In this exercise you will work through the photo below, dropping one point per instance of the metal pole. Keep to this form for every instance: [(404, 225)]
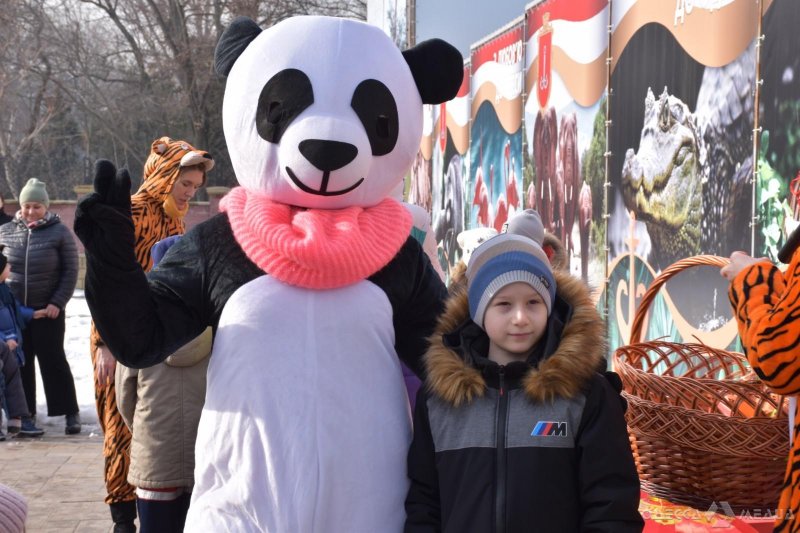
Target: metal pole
[(754, 222), (606, 183), (411, 22)]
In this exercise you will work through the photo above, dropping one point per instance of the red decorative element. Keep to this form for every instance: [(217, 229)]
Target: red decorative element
[(544, 75), (510, 178), (464, 89), (501, 214), (794, 189), (489, 50), (481, 199), (568, 10)]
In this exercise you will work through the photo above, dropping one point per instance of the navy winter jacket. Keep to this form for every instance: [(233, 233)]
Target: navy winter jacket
[(44, 262), (539, 445)]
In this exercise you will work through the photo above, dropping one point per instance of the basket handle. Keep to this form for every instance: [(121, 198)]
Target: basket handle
[(661, 279)]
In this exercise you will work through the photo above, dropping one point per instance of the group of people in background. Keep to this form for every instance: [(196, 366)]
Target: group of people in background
[(150, 468)]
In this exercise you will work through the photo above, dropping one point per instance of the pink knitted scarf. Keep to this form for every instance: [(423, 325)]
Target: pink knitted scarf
[(316, 248)]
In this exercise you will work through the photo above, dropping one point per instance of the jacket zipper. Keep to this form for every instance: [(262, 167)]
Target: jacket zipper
[(500, 495), (27, 249)]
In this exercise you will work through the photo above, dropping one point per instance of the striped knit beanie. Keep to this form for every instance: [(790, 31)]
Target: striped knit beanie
[(13, 510), (501, 261)]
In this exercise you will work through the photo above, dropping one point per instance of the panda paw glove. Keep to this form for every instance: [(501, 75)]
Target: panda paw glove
[(103, 220)]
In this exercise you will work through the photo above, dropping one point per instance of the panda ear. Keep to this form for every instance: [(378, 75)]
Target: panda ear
[(437, 68), (234, 40)]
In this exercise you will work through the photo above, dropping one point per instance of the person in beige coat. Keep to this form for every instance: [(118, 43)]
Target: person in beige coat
[(161, 405)]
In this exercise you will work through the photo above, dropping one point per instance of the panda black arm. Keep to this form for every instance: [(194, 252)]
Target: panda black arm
[(417, 295), (144, 319)]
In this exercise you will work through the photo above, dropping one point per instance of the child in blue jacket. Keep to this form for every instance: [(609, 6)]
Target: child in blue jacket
[(13, 318)]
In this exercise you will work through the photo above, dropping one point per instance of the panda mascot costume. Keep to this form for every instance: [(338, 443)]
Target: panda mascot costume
[(308, 276)]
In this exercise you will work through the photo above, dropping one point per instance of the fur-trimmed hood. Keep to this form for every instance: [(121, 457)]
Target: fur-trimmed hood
[(563, 372)]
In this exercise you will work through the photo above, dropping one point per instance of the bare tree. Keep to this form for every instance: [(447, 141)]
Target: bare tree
[(102, 78), (27, 96)]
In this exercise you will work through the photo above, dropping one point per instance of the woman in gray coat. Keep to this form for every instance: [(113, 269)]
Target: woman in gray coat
[(44, 271)]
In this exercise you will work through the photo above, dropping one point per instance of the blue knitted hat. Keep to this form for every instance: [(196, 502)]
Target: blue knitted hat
[(506, 259)]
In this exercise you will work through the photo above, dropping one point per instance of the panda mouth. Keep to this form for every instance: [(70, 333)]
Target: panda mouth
[(323, 190)]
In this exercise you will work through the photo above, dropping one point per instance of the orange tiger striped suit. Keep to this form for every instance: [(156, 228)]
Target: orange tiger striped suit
[(152, 223), (766, 304)]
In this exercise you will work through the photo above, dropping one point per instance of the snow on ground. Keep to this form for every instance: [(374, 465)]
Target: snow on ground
[(76, 344)]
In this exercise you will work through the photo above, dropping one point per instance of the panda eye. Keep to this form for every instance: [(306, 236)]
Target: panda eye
[(274, 113), (376, 109), (287, 94), (382, 127)]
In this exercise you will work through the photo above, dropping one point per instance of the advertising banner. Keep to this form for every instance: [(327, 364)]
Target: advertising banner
[(565, 84), (779, 121), (494, 189), (681, 143), (449, 147), (418, 190)]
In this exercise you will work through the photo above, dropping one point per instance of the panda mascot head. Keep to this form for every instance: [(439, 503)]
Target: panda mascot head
[(326, 113)]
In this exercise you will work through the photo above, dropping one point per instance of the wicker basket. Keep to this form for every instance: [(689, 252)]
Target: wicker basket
[(703, 428)]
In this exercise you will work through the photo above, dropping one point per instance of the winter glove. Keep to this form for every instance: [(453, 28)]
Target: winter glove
[(103, 220)]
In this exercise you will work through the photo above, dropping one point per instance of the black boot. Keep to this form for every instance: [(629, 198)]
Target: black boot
[(123, 514)]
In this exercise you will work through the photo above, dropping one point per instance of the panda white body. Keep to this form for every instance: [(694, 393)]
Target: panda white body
[(309, 278), (306, 416)]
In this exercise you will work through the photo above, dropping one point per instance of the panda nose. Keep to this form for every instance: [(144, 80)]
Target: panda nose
[(328, 155)]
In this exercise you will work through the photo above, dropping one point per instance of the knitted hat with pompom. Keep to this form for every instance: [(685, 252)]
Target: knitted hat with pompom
[(505, 259)]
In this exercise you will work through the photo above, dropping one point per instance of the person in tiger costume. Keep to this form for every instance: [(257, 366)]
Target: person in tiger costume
[(173, 173), (765, 304)]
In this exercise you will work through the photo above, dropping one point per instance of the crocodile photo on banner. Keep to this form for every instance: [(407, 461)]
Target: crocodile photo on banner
[(681, 140)]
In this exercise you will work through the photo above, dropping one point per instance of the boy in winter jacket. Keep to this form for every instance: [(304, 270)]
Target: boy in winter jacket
[(515, 430)]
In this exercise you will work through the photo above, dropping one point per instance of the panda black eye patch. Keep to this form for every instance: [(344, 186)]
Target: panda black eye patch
[(287, 94), (376, 109)]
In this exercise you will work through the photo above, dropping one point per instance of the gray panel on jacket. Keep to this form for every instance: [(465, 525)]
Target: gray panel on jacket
[(529, 424), (469, 426)]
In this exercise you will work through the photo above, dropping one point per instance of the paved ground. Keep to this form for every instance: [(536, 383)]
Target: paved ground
[(61, 477)]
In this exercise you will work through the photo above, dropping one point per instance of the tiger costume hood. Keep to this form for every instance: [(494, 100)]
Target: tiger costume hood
[(167, 157)]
